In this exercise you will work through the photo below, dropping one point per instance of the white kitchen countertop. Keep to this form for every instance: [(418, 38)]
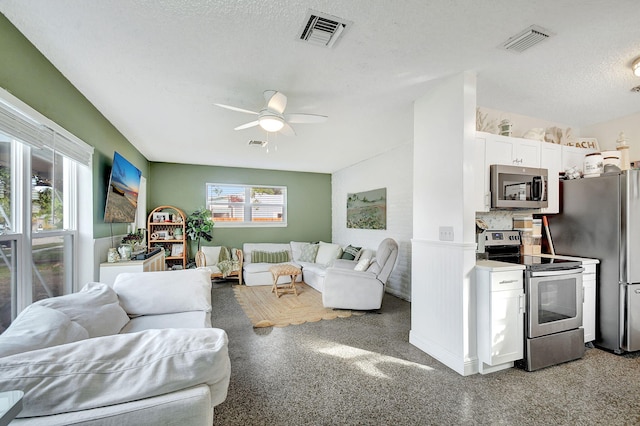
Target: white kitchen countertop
[(493, 265)]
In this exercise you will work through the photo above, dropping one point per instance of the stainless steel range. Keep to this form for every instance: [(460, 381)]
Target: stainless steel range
[(554, 295)]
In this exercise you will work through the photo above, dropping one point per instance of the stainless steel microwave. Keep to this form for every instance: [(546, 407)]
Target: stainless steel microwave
[(514, 187)]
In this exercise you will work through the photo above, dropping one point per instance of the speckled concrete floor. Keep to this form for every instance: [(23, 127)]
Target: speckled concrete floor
[(363, 371)]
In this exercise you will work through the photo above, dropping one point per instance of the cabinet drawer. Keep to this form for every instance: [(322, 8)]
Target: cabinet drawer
[(508, 280)]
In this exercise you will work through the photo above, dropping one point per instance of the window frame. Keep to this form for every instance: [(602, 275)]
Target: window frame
[(39, 132), (247, 206)]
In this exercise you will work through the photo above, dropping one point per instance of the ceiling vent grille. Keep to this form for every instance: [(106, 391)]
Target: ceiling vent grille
[(321, 29), (526, 39), (257, 143)]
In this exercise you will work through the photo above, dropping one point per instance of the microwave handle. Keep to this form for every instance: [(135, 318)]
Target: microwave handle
[(539, 180)]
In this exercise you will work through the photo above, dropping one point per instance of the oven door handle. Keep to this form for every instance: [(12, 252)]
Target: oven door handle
[(556, 273)]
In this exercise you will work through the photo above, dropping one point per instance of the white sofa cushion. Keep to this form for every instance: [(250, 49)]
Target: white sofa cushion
[(211, 254), (39, 327), (117, 369), (164, 292), (95, 307), (327, 253), (191, 319)]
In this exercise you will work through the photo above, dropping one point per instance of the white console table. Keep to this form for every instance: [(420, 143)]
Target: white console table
[(109, 271)]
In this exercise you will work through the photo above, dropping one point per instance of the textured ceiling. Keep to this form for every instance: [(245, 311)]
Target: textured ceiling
[(156, 68)]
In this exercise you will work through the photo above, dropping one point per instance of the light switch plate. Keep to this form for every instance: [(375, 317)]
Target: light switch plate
[(446, 233)]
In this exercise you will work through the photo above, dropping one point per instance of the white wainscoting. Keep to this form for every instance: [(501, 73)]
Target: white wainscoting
[(443, 307), (392, 170)]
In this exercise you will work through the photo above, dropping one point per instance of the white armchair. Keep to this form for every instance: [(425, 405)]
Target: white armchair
[(348, 288)]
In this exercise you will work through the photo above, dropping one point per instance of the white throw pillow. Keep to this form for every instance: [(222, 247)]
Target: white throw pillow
[(364, 261), (309, 253), (211, 255), (164, 292), (39, 327), (327, 253), (116, 369), (95, 307), (296, 249)]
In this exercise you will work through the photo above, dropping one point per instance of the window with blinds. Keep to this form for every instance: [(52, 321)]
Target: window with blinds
[(39, 162), (247, 205)]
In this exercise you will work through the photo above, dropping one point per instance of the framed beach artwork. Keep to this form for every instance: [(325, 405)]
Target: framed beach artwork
[(367, 210)]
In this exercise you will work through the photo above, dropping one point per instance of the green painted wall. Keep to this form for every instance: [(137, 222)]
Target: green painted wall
[(29, 76), (309, 200)]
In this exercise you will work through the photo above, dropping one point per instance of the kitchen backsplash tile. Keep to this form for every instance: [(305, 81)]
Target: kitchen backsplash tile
[(501, 219)]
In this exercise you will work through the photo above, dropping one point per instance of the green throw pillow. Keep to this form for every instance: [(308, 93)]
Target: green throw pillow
[(269, 256), (350, 252), (309, 253)]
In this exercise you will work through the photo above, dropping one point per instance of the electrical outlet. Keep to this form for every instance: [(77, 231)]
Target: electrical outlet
[(446, 233)]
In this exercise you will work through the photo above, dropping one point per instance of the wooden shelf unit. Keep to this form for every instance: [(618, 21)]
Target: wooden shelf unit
[(172, 218)]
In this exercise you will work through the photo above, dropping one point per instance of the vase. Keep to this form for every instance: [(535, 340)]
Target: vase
[(112, 255)]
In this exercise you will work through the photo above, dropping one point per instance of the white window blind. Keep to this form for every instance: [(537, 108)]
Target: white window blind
[(30, 131)]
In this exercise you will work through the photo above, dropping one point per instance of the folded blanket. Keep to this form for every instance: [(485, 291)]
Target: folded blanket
[(226, 264)]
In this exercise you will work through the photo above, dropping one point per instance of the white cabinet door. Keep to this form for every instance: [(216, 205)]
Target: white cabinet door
[(512, 151), (500, 317), (589, 304), (482, 196), (551, 159)]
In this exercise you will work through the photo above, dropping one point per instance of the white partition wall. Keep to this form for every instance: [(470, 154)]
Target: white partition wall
[(393, 171), (443, 299)]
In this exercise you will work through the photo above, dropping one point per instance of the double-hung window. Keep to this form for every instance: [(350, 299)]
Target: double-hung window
[(247, 205), (39, 162)]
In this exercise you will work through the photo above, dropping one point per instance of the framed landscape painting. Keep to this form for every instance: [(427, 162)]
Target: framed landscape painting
[(367, 210)]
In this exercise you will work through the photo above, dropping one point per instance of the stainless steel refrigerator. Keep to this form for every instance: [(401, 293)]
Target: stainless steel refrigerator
[(600, 218)]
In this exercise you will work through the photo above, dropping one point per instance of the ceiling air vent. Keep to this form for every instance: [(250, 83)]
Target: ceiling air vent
[(526, 39), (321, 29), (636, 89), (257, 143)]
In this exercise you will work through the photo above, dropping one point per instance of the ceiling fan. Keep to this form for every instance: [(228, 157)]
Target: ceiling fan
[(272, 117)]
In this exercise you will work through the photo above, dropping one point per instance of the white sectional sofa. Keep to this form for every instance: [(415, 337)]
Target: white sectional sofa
[(313, 261), (141, 352)]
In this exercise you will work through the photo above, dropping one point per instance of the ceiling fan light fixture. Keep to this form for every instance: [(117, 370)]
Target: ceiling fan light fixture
[(271, 123), (636, 67)]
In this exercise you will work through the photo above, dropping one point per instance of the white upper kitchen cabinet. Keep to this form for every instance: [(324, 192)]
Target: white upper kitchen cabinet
[(512, 151), (574, 156), (551, 159)]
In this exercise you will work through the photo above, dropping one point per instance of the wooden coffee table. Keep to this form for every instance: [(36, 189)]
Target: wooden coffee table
[(278, 271)]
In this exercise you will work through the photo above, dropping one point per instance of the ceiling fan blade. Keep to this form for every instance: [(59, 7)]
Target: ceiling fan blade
[(305, 118), (287, 130), (247, 125), (232, 108), (276, 101)]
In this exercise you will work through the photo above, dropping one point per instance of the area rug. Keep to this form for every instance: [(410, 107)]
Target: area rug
[(265, 309)]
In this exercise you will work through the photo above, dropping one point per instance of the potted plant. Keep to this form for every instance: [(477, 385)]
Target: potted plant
[(200, 226)]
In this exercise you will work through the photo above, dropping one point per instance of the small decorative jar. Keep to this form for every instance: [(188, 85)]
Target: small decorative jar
[(177, 234), (112, 255)]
